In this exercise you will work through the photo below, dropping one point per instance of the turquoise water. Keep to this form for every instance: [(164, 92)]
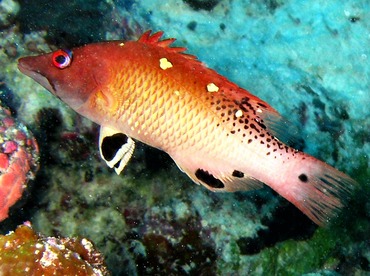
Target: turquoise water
[(308, 59)]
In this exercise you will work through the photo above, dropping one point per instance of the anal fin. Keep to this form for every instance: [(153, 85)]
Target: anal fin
[(225, 182), (218, 180), (116, 148)]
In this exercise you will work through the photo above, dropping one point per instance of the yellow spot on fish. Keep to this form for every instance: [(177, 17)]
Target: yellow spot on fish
[(239, 113), (122, 44), (259, 110), (136, 124), (211, 87), (177, 92), (165, 63)]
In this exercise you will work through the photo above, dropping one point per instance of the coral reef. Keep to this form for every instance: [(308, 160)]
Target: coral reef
[(25, 252), (308, 60), (18, 160)]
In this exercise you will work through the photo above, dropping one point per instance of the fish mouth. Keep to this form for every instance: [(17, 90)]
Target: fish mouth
[(26, 68)]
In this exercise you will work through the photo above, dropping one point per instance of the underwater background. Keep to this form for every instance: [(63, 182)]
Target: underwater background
[(308, 59)]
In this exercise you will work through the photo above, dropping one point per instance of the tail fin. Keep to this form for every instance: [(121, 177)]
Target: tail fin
[(319, 191)]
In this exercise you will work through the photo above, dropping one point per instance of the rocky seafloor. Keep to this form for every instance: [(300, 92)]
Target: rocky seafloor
[(308, 59)]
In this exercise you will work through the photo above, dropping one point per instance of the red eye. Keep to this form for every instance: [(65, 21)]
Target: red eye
[(62, 58)]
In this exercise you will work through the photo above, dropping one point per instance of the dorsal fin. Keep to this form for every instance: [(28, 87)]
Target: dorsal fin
[(155, 39)]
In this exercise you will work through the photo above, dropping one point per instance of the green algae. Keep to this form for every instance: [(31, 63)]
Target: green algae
[(286, 258), (296, 258), (329, 249)]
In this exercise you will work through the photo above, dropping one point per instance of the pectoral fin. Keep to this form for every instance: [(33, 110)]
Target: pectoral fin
[(115, 147)]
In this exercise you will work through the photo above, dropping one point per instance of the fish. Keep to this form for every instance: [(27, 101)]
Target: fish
[(219, 134)]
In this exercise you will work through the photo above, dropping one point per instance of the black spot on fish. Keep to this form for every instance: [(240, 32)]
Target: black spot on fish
[(244, 100), (111, 144), (209, 179), (254, 127), (303, 177), (238, 174), (243, 108), (261, 125), (261, 104)]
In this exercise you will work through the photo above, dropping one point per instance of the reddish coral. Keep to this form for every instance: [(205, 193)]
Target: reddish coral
[(25, 252), (4, 162), (18, 161), (10, 147)]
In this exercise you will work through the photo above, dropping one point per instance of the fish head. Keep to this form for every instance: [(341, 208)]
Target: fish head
[(75, 76)]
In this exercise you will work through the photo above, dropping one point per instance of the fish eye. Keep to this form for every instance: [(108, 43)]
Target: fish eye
[(62, 58)]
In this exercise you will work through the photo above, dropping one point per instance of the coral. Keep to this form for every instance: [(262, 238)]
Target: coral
[(25, 251), (8, 10), (307, 60), (18, 160)]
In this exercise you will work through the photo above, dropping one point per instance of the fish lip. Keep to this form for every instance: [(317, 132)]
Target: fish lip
[(26, 69)]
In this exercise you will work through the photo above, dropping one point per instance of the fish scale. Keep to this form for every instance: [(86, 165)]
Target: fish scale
[(163, 108), (219, 134)]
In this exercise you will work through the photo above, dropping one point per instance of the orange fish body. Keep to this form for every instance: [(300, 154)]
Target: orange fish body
[(222, 136)]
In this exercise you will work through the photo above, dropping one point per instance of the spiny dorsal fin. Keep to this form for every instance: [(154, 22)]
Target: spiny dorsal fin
[(155, 39)]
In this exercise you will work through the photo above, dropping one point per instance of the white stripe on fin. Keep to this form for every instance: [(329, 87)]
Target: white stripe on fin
[(115, 148)]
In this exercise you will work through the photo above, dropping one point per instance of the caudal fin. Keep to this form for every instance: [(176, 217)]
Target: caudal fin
[(319, 191)]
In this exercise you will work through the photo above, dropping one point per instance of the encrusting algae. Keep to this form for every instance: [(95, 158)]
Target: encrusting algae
[(25, 252)]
